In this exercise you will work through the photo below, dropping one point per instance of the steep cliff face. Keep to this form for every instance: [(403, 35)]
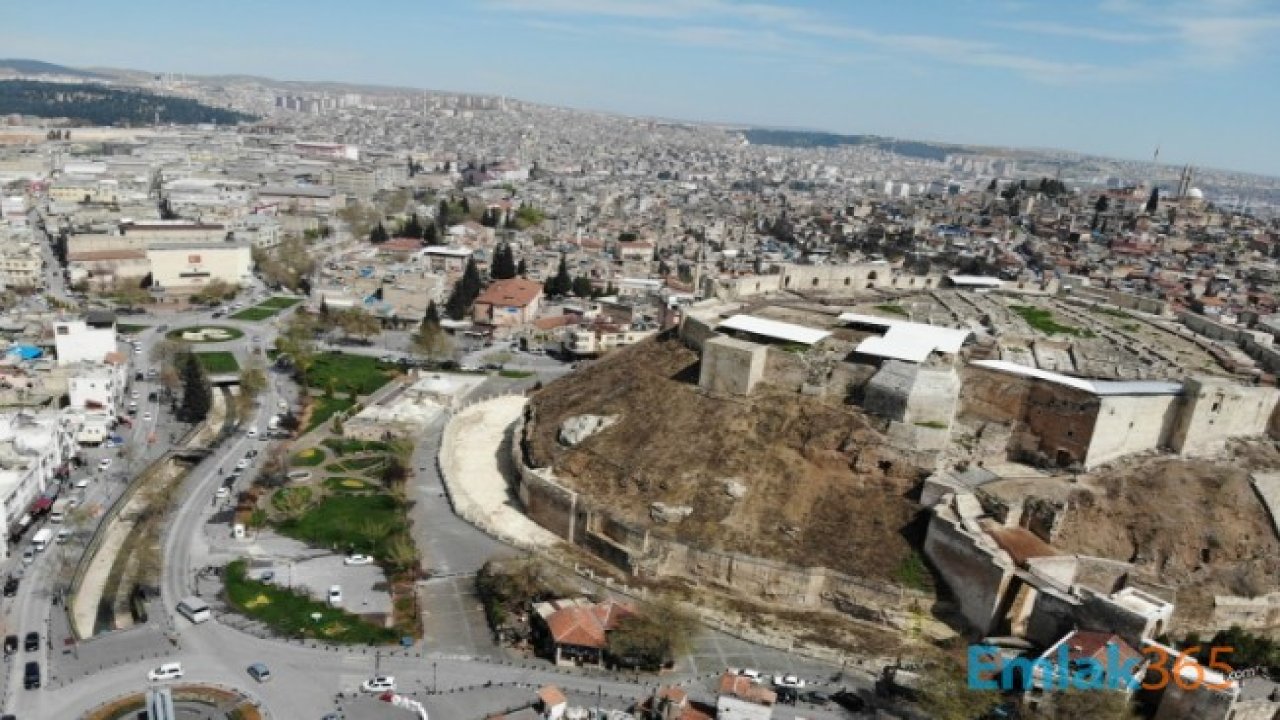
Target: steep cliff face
[(817, 485)]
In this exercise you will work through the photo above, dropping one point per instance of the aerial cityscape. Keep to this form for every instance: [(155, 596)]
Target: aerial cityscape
[(640, 360)]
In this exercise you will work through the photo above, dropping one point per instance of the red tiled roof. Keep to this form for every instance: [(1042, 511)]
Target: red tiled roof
[(586, 626), (550, 695), (516, 292), (741, 687)]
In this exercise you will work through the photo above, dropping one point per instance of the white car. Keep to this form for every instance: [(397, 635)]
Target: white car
[(788, 681), (146, 416), (167, 671), (357, 560), (104, 463), (335, 595), (380, 683), (137, 350), (82, 483), (135, 395), (222, 492), (242, 464), (252, 433)]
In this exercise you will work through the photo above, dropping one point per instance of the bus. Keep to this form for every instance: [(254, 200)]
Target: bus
[(194, 609)]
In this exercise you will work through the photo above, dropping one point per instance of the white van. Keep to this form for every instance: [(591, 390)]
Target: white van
[(194, 609), (167, 671)]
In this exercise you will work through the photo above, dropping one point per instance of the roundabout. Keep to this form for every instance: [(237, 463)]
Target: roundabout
[(205, 334), (197, 701)]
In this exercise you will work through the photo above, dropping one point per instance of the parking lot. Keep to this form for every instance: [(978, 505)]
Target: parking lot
[(289, 563)]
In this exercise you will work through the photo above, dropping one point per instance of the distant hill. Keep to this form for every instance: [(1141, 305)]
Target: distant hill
[(811, 139), (38, 67), (101, 105)]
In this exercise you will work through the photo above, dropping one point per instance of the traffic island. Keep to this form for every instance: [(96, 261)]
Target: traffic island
[(198, 702), (205, 334)]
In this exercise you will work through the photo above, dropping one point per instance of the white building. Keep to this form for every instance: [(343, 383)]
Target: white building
[(185, 267), (97, 388), (33, 449), (91, 339)]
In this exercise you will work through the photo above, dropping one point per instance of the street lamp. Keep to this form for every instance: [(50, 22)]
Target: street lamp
[(434, 686)]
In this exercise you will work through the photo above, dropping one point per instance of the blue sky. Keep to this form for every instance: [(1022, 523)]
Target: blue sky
[(1112, 77)]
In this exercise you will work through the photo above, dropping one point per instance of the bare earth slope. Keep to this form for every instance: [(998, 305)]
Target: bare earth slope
[(1196, 525), (820, 489)]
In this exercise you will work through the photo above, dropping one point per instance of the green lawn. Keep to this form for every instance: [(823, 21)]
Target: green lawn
[(344, 446), (347, 373), (892, 309), (278, 499), (232, 333), (326, 408), (1044, 321), (289, 613), (310, 457), (515, 374), (279, 303), (218, 362), (130, 329), (255, 313), (349, 523)]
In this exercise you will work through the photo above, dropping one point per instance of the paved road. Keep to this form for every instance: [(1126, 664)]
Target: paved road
[(460, 658)]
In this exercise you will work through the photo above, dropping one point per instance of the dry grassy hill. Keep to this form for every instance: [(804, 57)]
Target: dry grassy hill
[(821, 489)]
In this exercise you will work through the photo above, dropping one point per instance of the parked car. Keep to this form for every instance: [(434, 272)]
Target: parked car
[(222, 492), (31, 676), (242, 464), (815, 698), (10, 586), (167, 671), (335, 595), (251, 433), (380, 683), (849, 700), (31, 642), (104, 463), (357, 560), (259, 672), (28, 556), (788, 681), (10, 644)]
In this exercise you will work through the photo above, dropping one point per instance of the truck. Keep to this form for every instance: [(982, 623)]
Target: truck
[(59, 511), (41, 539)]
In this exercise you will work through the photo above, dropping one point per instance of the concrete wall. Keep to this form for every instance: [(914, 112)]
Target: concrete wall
[(1059, 421), (976, 576), (1131, 424), (744, 287), (730, 366), (696, 330), (1215, 410), (850, 278), (1127, 301)]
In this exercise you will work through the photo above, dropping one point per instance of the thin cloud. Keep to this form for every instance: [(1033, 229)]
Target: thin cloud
[(1080, 31)]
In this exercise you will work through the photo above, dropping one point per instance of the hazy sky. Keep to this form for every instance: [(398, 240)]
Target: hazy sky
[(1200, 78)]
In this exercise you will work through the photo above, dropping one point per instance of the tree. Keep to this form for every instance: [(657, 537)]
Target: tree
[(654, 636), (298, 343), (412, 228), (378, 234), (945, 694), (456, 306), (197, 396), (430, 235), (559, 284), (466, 205), (582, 286), (354, 321), (431, 340), (504, 265), (1153, 202), (522, 269), (471, 284), (253, 380)]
